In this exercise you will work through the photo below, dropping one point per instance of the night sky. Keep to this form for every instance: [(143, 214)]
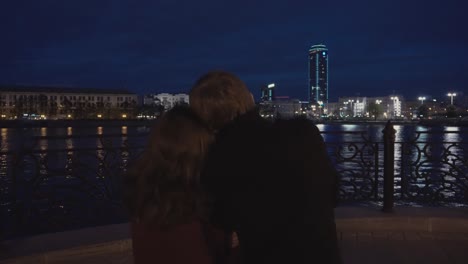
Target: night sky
[(149, 46)]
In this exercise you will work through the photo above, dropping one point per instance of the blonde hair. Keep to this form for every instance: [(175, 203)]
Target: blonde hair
[(218, 97), (163, 185)]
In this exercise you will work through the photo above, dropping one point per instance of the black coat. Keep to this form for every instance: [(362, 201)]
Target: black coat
[(273, 183)]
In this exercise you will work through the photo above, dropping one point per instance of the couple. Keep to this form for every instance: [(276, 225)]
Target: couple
[(219, 184)]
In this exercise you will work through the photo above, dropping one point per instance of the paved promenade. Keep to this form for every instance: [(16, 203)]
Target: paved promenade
[(409, 235)]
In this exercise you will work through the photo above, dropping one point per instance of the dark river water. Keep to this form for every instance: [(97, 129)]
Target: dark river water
[(82, 136), (65, 177)]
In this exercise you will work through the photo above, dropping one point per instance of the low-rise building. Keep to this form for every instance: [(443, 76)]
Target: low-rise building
[(386, 107), (281, 107), (31, 102), (166, 99)]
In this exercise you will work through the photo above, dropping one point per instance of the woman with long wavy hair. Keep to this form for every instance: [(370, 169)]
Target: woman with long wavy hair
[(166, 202)]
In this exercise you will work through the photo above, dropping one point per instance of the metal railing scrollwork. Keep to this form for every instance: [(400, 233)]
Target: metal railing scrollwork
[(434, 169), (356, 161), (55, 183), (55, 189)]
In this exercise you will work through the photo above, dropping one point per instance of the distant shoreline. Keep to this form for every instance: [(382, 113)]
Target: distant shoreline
[(148, 123), (73, 123), (423, 122), (378, 122)]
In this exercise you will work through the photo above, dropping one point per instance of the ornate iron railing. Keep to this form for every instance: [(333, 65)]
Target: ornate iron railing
[(55, 189), (434, 169), (45, 188), (356, 159)]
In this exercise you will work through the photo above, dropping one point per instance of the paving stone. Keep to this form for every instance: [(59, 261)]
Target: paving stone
[(449, 236), (369, 252), (423, 251), (412, 236), (439, 224), (390, 239), (380, 235), (349, 236), (426, 235), (396, 235), (364, 236), (38, 259), (457, 251)]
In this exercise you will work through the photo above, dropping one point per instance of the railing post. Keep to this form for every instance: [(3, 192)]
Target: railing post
[(389, 167), (376, 171)]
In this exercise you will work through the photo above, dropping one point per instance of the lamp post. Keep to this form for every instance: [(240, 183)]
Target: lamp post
[(451, 97), (422, 99)]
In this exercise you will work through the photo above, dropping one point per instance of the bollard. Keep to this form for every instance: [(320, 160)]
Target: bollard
[(389, 167)]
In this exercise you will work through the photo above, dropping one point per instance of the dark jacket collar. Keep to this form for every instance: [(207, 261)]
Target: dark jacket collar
[(249, 118)]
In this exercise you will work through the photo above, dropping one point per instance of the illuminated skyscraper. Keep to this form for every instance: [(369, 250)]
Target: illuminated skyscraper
[(318, 74), (268, 92)]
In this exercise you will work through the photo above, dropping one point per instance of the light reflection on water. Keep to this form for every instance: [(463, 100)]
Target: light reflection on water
[(69, 141), (374, 132), (399, 137), (452, 137), (70, 160), (452, 141), (5, 140), (100, 154), (10, 140), (4, 181), (350, 127), (321, 127), (124, 134), (44, 142)]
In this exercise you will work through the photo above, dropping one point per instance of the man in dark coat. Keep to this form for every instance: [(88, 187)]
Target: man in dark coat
[(271, 182)]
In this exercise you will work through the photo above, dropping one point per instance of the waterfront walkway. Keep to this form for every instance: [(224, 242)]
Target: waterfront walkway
[(409, 235)]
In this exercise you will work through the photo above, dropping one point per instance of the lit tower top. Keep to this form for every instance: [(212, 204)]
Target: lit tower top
[(318, 74), (268, 92)]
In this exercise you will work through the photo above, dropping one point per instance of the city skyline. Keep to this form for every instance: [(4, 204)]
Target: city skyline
[(415, 48)]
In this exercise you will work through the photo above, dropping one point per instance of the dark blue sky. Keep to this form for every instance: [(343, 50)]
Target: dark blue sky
[(412, 47)]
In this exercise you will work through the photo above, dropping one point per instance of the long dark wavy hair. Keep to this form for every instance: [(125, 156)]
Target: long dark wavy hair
[(162, 186)]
